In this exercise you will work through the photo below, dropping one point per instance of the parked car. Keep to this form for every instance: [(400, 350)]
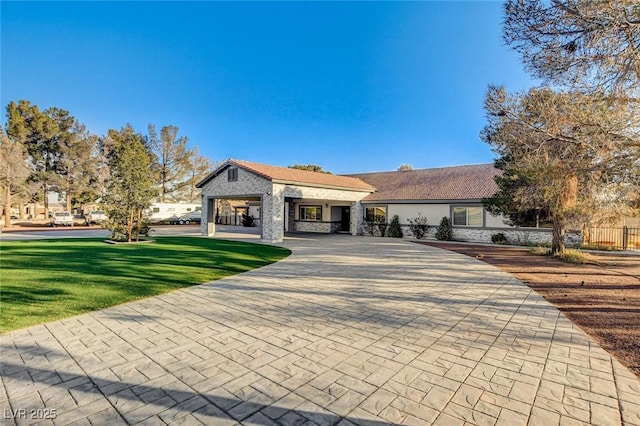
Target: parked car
[(96, 216), (62, 219), (186, 219)]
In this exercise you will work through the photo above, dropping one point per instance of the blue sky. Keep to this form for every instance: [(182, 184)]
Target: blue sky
[(352, 86)]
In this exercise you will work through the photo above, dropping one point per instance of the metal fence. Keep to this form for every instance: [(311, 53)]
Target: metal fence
[(624, 238)]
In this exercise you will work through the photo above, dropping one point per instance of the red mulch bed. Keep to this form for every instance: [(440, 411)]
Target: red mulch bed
[(602, 298)]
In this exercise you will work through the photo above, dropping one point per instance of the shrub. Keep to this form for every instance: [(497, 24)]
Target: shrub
[(247, 220), (444, 232), (540, 251), (574, 256), (370, 227), (419, 226), (382, 227), (499, 238), (394, 230)]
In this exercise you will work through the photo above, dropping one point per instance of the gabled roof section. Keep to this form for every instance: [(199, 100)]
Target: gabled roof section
[(472, 182), (293, 176)]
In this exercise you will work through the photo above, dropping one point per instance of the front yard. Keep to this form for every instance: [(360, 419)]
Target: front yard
[(45, 280)]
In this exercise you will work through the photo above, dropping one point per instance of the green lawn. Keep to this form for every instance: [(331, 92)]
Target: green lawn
[(44, 280)]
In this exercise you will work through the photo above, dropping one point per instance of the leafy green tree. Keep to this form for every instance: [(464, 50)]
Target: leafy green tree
[(505, 203), (309, 168), (41, 134), (405, 167), (130, 188), (77, 167), (570, 154), (172, 161), (573, 155)]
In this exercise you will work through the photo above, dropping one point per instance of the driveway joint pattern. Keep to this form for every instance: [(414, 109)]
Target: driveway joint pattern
[(347, 330)]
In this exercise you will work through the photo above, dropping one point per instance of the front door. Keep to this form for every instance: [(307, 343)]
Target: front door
[(345, 219)]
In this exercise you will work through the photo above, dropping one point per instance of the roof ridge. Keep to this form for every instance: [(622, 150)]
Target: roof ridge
[(422, 169)]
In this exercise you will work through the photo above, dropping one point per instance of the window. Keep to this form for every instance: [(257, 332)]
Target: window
[(156, 209), (375, 214), (232, 175), (311, 213), (467, 216)]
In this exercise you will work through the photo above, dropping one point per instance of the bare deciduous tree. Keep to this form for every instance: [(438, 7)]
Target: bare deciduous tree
[(13, 172), (172, 160)]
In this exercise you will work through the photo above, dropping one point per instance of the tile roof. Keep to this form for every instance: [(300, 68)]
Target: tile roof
[(295, 176), (446, 183)]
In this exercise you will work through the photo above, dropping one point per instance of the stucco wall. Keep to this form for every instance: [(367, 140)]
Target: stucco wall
[(492, 221), (312, 194), (433, 212)]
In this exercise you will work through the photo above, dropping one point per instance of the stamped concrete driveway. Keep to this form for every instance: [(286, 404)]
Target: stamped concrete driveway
[(346, 330)]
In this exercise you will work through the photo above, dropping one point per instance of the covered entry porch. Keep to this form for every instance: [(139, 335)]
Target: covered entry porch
[(317, 215), (284, 199)]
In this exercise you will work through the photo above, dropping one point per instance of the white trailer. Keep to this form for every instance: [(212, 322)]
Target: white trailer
[(159, 212)]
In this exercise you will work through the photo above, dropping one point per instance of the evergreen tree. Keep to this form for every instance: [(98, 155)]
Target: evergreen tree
[(444, 231), (394, 230), (130, 188), (572, 155), (76, 170)]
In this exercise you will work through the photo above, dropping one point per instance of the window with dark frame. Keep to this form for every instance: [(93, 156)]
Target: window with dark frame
[(467, 216), (375, 214), (311, 213), (232, 175)]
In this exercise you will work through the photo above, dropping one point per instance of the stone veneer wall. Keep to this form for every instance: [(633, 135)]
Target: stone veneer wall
[(248, 184), (516, 236), (302, 226)]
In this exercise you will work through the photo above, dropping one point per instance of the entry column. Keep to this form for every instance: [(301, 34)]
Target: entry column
[(356, 217), (208, 221), (273, 216)]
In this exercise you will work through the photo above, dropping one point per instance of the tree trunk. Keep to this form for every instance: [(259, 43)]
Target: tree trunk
[(7, 207), (586, 233), (557, 242), (68, 194), (130, 226), (139, 225), (45, 191)]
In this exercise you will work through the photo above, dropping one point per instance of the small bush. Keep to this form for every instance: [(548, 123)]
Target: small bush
[(370, 227), (247, 221), (382, 228), (540, 251), (394, 230), (419, 226), (444, 232), (499, 238), (574, 256)]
